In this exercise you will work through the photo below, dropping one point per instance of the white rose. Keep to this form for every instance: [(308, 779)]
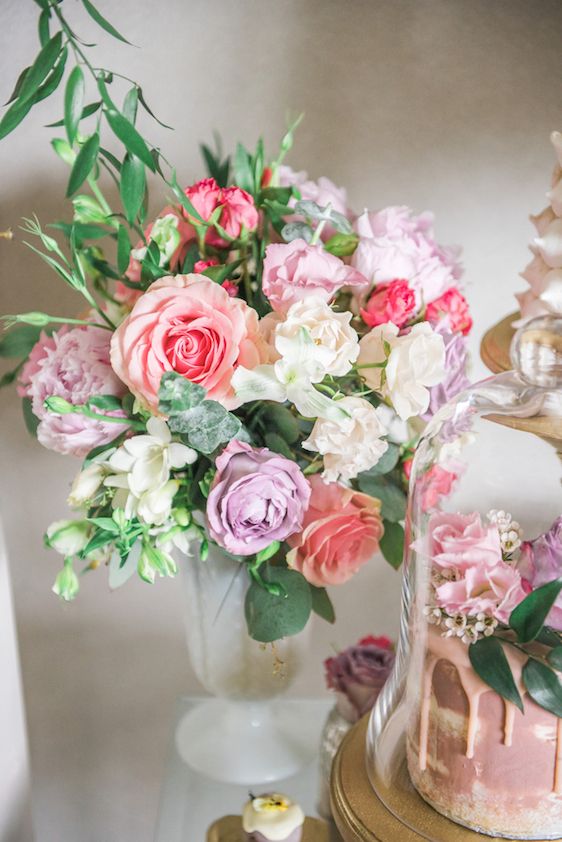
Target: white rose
[(68, 537), (85, 485), (416, 361), (350, 445), (335, 345)]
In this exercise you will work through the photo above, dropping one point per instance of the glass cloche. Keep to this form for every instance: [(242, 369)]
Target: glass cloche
[(471, 716)]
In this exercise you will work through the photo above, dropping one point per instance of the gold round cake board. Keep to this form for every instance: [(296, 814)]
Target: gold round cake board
[(229, 829), (494, 348), (360, 815)]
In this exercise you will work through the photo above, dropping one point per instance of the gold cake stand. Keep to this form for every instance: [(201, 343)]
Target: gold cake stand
[(358, 812)]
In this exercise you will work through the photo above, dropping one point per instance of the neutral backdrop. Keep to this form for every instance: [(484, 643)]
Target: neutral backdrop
[(440, 104)]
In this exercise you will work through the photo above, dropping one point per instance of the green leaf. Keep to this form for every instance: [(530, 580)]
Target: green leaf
[(43, 27), (19, 341), (278, 444), (177, 394), (216, 169), (103, 22), (268, 552), (271, 617), (393, 499), (130, 104), (543, 686), (243, 175), (148, 110), (106, 523), (108, 402), (281, 421), (83, 164), (100, 539), (555, 658), (392, 543), (13, 117), (342, 245), (386, 463), (129, 136), (322, 604), (528, 618), (180, 195), (52, 81), (17, 87), (490, 663), (206, 426), (218, 274), (123, 249), (549, 637), (40, 68), (30, 419), (133, 183), (87, 111), (73, 102)]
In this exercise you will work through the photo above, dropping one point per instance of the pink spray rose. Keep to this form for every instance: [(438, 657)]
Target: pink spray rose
[(201, 265), (189, 325), (257, 497), (74, 365), (394, 302), (394, 243), (341, 531), (451, 307), (494, 591), (358, 673), (238, 209), (292, 271)]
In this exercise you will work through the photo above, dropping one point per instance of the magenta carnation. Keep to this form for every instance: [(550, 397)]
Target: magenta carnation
[(257, 497), (74, 365)]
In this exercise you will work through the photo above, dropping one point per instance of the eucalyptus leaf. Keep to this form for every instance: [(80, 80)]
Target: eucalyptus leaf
[(322, 604), (528, 618), (392, 543), (341, 223), (206, 426), (177, 394), (490, 663), (40, 68), (543, 686), (278, 444), (296, 231), (271, 617), (132, 186), (129, 136), (83, 164), (73, 102), (393, 500), (103, 22)]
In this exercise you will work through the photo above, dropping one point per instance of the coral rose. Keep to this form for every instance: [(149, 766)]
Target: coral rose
[(342, 529), (189, 325), (394, 302), (452, 307)]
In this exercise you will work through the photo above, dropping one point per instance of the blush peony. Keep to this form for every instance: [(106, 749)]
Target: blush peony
[(342, 529), (189, 325)]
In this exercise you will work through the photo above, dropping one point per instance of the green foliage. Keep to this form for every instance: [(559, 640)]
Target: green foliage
[(103, 22), (132, 186), (30, 419), (490, 663), (280, 420), (393, 500), (73, 102), (278, 444), (543, 686), (322, 604), (123, 249), (392, 543), (84, 163), (217, 169), (270, 617), (19, 341), (40, 68), (555, 657), (342, 245), (129, 136), (528, 618)]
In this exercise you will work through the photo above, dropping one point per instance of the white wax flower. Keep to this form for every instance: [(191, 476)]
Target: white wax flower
[(351, 444), (68, 537), (85, 485)]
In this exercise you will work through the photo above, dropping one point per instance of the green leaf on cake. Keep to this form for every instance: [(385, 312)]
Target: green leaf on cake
[(528, 618), (543, 686), (489, 662), (270, 617), (554, 658)]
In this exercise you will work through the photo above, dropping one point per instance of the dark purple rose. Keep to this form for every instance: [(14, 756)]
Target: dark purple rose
[(257, 497), (456, 356), (358, 674), (541, 562)]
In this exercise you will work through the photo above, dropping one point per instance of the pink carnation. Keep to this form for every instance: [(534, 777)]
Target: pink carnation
[(394, 243), (292, 271), (434, 485), (494, 591), (462, 541), (451, 307), (190, 325), (74, 365), (394, 302), (238, 209)]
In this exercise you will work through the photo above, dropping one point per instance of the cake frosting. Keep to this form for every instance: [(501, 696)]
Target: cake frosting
[(544, 273), (272, 817), (475, 758)]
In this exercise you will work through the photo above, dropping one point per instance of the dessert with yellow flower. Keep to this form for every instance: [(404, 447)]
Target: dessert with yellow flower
[(272, 817)]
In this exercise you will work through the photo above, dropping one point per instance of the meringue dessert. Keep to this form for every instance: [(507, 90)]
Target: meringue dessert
[(272, 817)]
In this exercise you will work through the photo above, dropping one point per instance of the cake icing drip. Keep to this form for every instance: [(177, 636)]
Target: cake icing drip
[(543, 273)]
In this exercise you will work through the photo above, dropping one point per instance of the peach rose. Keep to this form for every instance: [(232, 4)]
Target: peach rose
[(341, 531), (190, 325)]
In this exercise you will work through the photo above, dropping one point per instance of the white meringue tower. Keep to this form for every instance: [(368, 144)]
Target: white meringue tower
[(544, 272)]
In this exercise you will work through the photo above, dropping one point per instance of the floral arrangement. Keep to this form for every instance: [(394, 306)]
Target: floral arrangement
[(357, 675), (245, 361), (492, 590)]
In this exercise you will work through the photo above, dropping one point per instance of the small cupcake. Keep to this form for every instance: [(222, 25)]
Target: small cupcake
[(272, 818)]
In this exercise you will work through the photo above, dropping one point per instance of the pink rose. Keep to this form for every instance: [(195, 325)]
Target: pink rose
[(463, 541), (238, 209), (201, 265), (74, 365), (190, 325), (394, 302), (341, 531), (452, 306), (494, 591), (292, 271), (434, 485)]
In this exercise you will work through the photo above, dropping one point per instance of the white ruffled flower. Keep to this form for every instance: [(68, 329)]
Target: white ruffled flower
[(415, 361), (335, 345), (68, 537), (141, 469), (349, 445), (166, 236), (85, 485)]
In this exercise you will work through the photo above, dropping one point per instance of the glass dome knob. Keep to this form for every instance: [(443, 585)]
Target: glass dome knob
[(536, 351)]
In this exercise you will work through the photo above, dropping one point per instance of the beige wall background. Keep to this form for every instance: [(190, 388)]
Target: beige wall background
[(441, 104)]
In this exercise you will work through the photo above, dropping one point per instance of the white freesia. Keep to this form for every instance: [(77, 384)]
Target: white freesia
[(414, 361), (166, 236), (68, 537), (335, 345), (141, 472), (349, 445), (85, 485)]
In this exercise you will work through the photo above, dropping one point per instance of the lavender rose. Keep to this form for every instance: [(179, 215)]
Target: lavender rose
[(257, 497), (541, 562), (456, 357), (358, 675)]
